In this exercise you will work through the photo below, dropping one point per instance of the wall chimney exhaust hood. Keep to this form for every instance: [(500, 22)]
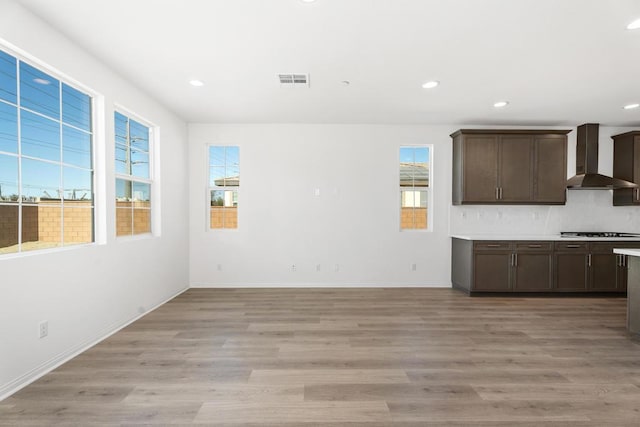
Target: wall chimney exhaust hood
[(587, 176)]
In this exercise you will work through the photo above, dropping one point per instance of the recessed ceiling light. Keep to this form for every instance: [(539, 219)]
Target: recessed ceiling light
[(631, 106), (196, 83), (431, 84), (42, 81), (634, 25), (308, 1), (346, 83), (501, 104)]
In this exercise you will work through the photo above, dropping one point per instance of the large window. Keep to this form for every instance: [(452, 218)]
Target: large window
[(46, 160), (414, 187), (224, 182), (133, 176)]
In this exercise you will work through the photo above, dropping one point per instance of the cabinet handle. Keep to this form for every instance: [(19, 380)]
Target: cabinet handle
[(618, 261), (636, 194), (500, 193), (573, 246), (535, 246), (589, 260), (493, 245), (624, 260), (497, 193), (515, 260)]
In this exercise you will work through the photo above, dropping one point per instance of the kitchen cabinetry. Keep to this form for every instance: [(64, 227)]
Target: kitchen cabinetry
[(509, 166), (626, 165), (581, 266), (503, 266), (571, 262), (605, 264), (492, 261), (532, 266), (538, 266)]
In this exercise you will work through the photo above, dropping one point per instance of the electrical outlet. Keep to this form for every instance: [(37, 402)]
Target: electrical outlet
[(219, 267), (317, 267), (337, 267), (293, 267), (43, 329), (414, 267)]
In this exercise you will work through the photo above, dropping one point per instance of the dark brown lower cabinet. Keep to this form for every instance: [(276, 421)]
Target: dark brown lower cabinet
[(593, 267), (608, 270), (571, 266), (492, 271), (539, 266), (503, 266), (532, 271), (604, 272)]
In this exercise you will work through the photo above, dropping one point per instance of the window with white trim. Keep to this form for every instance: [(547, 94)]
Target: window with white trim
[(134, 173), (415, 167), (46, 159), (224, 183)]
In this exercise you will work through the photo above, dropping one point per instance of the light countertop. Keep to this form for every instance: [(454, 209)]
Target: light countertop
[(547, 237), (630, 252)]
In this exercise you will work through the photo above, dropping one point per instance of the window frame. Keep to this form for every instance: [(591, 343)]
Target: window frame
[(209, 188), (428, 189), (152, 181), (96, 168)]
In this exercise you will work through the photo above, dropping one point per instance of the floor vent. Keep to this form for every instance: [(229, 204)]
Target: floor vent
[(294, 79)]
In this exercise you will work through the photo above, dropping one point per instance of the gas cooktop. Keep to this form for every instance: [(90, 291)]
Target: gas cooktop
[(596, 234)]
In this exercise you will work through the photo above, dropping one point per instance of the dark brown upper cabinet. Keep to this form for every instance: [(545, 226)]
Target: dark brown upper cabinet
[(509, 166), (626, 165)]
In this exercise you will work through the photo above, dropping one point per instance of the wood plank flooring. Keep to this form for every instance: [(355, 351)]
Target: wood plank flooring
[(350, 357)]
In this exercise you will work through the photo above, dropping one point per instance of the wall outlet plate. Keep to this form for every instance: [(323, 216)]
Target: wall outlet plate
[(43, 329)]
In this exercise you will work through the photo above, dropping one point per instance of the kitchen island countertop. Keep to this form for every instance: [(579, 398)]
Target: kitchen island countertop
[(629, 252)]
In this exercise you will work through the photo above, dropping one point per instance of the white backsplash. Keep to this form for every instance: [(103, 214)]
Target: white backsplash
[(586, 210)]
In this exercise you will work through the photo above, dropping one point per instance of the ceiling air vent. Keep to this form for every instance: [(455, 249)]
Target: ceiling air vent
[(294, 80)]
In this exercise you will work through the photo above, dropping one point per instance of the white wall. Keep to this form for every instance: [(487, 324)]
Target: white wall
[(86, 293), (353, 223)]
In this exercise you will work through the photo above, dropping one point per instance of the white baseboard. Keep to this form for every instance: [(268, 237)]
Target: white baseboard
[(315, 285), (22, 381)]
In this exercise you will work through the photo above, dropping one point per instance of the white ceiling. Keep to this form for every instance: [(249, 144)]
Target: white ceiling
[(558, 62)]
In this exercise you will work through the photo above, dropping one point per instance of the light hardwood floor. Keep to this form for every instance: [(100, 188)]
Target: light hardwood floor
[(352, 357)]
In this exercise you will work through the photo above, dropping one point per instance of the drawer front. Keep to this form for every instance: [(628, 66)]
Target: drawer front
[(608, 247), (534, 246), (492, 246), (571, 246)]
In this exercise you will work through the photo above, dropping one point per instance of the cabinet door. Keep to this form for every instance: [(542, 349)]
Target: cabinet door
[(570, 271), (603, 272), (480, 168), (622, 273), (515, 169), (551, 169), (626, 165), (532, 272), (492, 271), (636, 168)]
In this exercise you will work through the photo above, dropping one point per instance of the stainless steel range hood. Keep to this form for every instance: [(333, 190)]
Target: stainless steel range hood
[(587, 176)]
